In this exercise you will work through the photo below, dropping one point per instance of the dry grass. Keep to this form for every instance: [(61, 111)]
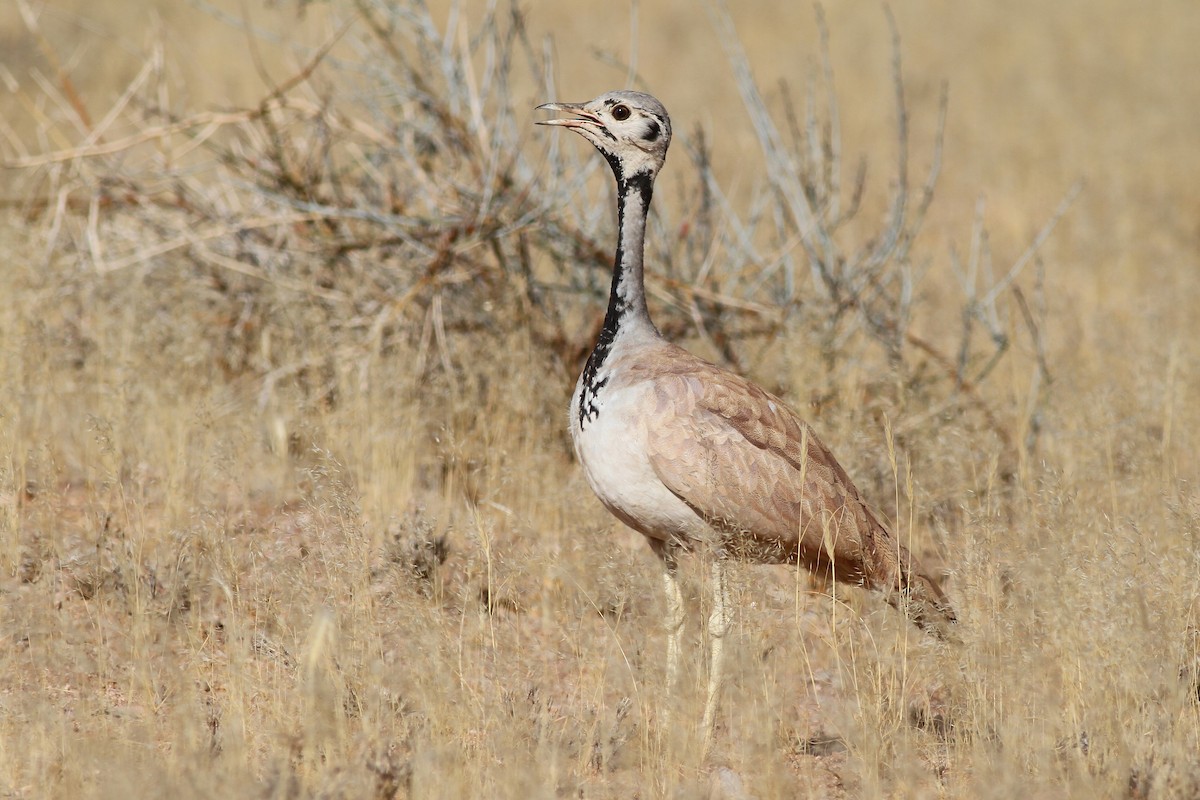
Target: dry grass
[(287, 507)]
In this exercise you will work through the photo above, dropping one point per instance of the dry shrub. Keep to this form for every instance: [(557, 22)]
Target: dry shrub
[(381, 198), (322, 514)]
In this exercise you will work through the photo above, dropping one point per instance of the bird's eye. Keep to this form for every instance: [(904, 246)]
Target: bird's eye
[(620, 113)]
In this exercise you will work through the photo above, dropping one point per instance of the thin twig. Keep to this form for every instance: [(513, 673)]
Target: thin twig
[(64, 80), (1063, 206)]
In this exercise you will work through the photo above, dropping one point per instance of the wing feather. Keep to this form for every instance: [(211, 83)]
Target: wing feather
[(760, 476)]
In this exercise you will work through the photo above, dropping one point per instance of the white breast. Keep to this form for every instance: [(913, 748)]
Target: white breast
[(611, 446)]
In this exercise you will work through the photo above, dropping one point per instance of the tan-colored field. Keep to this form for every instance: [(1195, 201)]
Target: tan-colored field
[(287, 503)]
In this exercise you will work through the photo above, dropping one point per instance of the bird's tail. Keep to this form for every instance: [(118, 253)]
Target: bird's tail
[(909, 587), (921, 599)]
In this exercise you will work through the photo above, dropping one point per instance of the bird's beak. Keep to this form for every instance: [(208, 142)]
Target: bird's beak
[(582, 117)]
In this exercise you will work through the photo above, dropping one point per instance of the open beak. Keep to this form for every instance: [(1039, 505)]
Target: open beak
[(582, 118)]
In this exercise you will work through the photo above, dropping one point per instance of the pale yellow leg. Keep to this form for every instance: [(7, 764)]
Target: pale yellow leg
[(675, 613), (718, 626), (674, 621)]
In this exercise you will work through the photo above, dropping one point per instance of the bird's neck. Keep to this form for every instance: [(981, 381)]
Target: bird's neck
[(627, 310), (627, 314)]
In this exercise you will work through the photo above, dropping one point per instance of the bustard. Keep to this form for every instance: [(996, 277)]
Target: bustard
[(690, 454)]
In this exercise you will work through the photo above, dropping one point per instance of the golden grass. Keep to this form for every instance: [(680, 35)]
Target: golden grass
[(215, 583)]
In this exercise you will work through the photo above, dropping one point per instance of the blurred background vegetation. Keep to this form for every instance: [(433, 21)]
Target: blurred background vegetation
[(294, 298)]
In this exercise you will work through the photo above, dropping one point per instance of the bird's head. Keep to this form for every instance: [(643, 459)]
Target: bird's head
[(631, 129)]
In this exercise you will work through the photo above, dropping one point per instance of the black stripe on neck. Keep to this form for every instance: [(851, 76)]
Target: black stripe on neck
[(614, 161), (640, 187)]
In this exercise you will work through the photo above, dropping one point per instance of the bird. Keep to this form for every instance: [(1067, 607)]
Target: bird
[(692, 455)]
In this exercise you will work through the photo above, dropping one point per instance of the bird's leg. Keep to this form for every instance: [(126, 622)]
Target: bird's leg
[(675, 613), (718, 626)]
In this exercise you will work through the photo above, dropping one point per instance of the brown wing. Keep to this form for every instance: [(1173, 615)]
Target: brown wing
[(758, 474)]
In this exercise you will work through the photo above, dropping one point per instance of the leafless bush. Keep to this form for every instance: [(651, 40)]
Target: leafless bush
[(380, 196), (840, 284), (377, 195)]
